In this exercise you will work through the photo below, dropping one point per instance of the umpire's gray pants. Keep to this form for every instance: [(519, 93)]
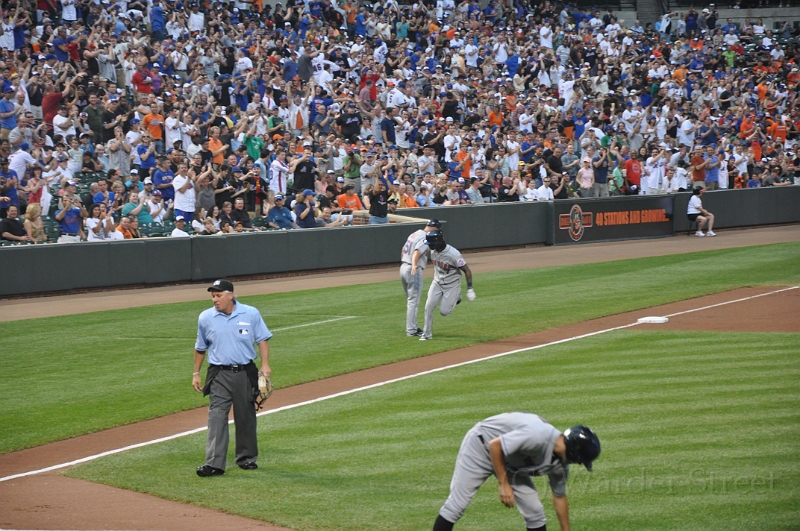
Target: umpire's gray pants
[(231, 388), (412, 285), (473, 468), (449, 295)]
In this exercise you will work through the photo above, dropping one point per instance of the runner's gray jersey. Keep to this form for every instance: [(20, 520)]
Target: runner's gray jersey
[(528, 442), (446, 265), (415, 242)]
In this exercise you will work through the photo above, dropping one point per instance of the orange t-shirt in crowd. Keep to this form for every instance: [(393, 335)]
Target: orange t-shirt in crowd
[(495, 118), (511, 102), (465, 169), (126, 234), (756, 145), (746, 128), (698, 175), (777, 132), (352, 202), (352, 11), (679, 75), (408, 201), (215, 144), (153, 123)]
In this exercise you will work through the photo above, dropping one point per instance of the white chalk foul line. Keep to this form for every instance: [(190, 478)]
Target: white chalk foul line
[(315, 323), (367, 387), (733, 301)]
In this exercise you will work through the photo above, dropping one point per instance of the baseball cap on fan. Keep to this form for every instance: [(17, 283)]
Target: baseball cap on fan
[(221, 285)]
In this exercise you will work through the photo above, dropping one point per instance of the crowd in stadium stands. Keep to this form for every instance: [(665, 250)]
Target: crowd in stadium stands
[(125, 119)]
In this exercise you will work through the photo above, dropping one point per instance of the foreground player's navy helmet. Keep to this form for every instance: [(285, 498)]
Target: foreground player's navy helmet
[(583, 446)]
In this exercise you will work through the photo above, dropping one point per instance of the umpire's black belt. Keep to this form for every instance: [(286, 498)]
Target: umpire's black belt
[(232, 368)]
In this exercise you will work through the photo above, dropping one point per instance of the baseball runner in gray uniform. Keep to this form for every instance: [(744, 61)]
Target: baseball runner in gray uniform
[(446, 286), (514, 447), (412, 283)]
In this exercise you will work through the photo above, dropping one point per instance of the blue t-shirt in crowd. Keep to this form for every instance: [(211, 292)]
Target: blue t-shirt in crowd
[(712, 174), (601, 172), (11, 121), (164, 177), (282, 217), (11, 193), (99, 198), (149, 162), (71, 222), (361, 25), (309, 222), (62, 57)]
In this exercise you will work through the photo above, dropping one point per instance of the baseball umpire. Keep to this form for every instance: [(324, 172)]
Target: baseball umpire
[(415, 246), (514, 447), (227, 332), (446, 286)]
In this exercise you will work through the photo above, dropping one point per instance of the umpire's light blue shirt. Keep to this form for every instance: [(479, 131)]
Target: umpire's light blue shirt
[(229, 339)]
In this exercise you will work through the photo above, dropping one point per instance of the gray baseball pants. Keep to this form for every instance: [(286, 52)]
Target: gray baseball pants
[(231, 388), (473, 468), (412, 285), (448, 295)]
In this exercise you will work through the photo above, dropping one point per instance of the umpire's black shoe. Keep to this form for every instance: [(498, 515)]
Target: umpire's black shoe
[(248, 466), (206, 471)]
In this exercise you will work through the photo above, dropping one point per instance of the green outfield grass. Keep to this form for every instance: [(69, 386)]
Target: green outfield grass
[(116, 367), (698, 431)]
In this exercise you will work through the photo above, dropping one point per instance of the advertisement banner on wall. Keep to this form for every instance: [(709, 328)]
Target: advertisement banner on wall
[(616, 218)]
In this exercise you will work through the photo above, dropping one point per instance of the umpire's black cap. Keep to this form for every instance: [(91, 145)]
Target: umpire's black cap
[(221, 285), (434, 223)]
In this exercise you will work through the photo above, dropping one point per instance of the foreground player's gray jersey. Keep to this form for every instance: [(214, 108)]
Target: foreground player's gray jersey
[(447, 264), (528, 442)]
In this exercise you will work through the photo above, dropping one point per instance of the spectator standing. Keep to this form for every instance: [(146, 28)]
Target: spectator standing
[(305, 210), (184, 188), (378, 198), (70, 221), (585, 179)]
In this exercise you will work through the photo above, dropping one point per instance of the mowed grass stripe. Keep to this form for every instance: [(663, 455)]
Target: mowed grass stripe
[(106, 382), (672, 454)]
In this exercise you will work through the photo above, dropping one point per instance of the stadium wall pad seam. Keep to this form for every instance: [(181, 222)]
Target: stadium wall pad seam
[(52, 268)]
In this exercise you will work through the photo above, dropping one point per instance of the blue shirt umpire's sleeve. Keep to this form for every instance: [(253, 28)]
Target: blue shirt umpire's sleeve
[(201, 345), (260, 330)]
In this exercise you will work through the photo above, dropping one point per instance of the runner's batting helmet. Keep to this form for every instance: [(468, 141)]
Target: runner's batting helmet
[(583, 446), (435, 240)]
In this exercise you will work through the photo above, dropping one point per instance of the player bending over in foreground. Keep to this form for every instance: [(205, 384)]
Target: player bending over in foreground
[(514, 447), (446, 286)]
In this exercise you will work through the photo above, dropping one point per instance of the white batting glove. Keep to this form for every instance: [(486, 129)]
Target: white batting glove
[(471, 295)]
